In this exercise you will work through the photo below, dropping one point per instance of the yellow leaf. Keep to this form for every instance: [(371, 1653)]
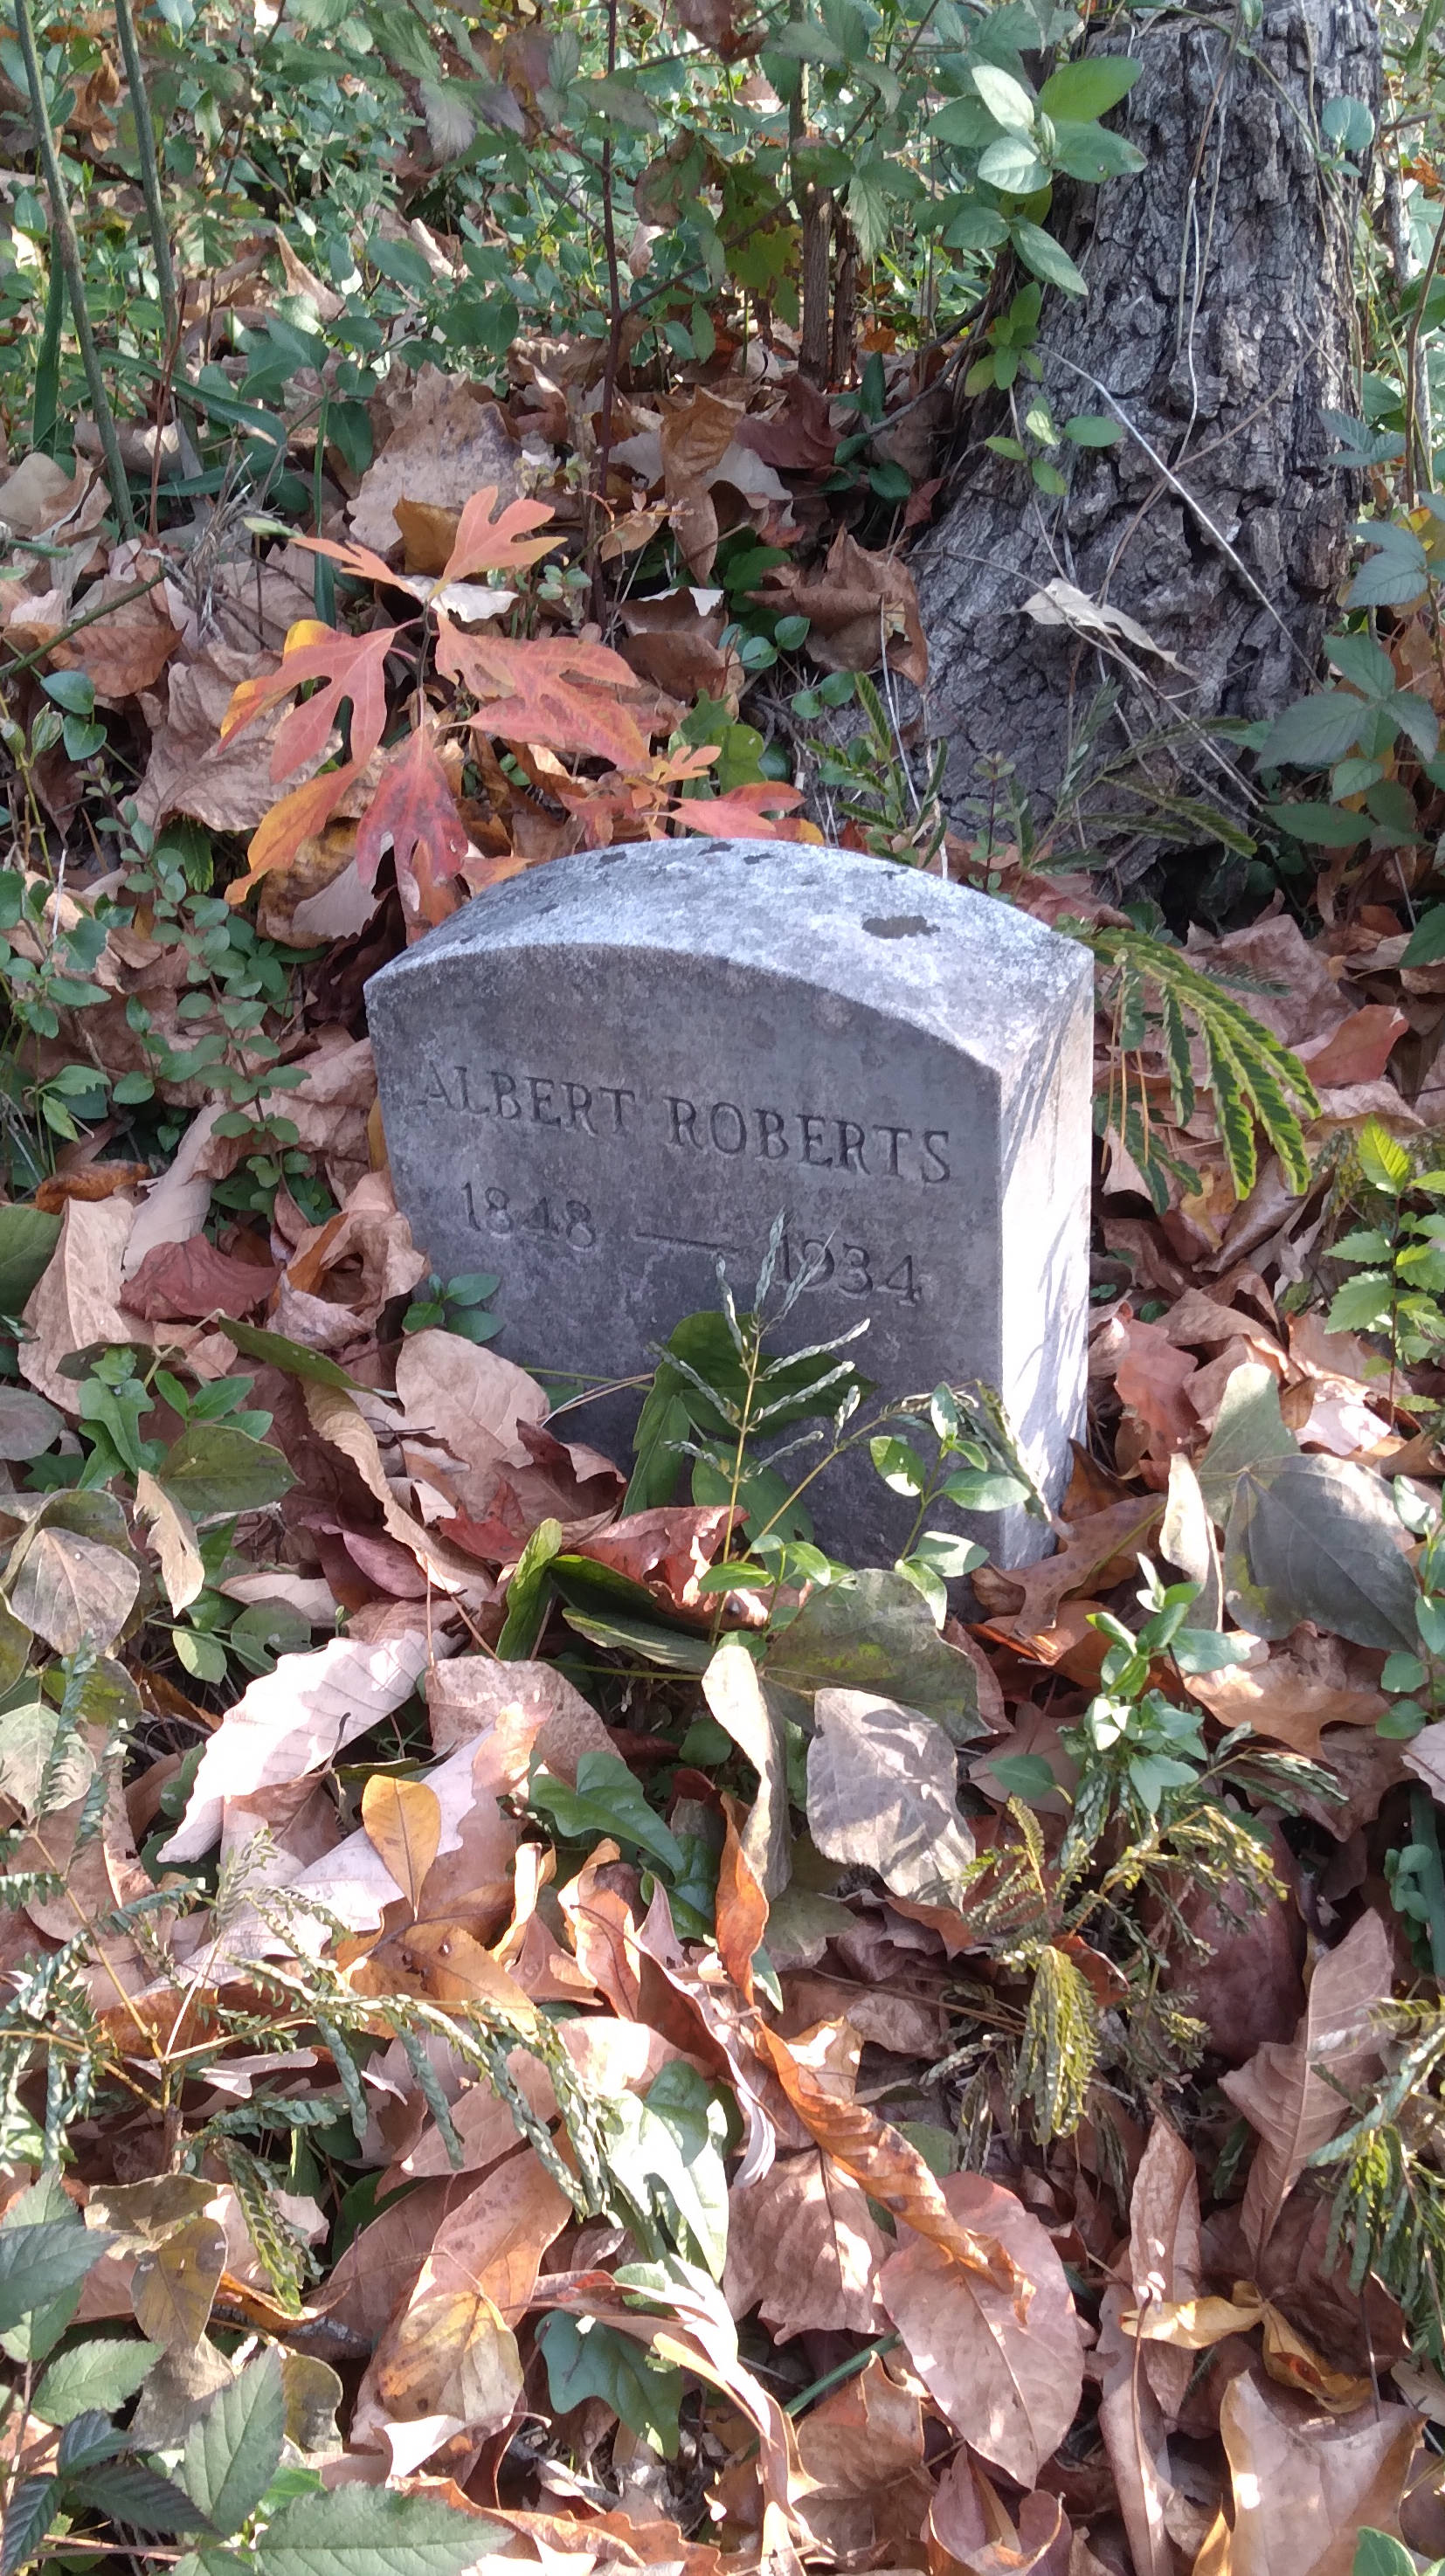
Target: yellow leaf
[(402, 1820), (1192, 2325)]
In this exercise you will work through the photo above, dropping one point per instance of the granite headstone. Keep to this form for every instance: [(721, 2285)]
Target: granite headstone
[(605, 1075)]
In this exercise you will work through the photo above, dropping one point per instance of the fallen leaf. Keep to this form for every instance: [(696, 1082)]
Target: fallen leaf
[(192, 1279), (295, 1720), (1290, 2104), (1303, 2489), (1164, 2248), (804, 2250), (881, 1795), (1318, 1538), (1010, 2385), (893, 2173), (735, 1696), (77, 1301), (451, 2350), (862, 609), (449, 443), (402, 1821), (173, 1537)]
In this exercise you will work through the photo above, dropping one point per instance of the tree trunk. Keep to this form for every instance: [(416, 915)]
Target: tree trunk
[(1220, 318)]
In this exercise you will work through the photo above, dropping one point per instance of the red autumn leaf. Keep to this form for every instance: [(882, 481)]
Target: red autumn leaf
[(352, 666), (181, 1282), (556, 693), (750, 812), (415, 809)]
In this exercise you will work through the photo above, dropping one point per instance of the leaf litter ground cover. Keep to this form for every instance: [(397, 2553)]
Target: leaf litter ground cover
[(540, 2015)]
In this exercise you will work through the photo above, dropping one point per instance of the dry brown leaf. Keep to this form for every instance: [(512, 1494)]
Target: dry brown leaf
[(859, 605), (1303, 2488), (295, 1720), (227, 786), (77, 1301), (451, 2350), (1009, 2384), (881, 1794), (1131, 2422), (893, 2173), (402, 1820), (804, 2250), (174, 1539), (450, 443), (129, 645), (1278, 1699), (971, 2534), (520, 1708), (1164, 2247), (1292, 2107), (861, 2448)]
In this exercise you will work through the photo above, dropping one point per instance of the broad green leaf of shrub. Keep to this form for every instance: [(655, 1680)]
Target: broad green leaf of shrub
[(366, 2531), (587, 2358), (233, 2449), (38, 2264), (1089, 88), (213, 1468), (99, 2375), (607, 1801), (1318, 1538)]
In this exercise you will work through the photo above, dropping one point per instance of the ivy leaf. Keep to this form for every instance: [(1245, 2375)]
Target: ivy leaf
[(586, 2357)]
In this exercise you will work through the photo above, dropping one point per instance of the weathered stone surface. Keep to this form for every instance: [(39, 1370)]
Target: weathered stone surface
[(605, 1075)]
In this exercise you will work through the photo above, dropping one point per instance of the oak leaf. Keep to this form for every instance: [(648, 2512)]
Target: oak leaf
[(1010, 2384), (414, 808)]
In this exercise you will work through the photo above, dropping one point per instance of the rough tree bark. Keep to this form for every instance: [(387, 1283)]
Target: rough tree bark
[(1220, 318)]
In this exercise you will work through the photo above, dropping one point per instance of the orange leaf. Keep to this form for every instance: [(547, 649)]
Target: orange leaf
[(296, 819), (754, 811), (359, 561), (402, 1820), (553, 692), (487, 544), (890, 2170), (352, 666), (414, 807), (742, 1908)]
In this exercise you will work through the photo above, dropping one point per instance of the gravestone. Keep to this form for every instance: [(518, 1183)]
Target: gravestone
[(606, 1075)]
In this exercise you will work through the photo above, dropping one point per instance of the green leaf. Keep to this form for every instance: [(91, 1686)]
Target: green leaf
[(1207, 1650), (1376, 2554), (804, 40), (899, 1465), (1327, 827), (1023, 1775), (1315, 730), (126, 2491), (28, 2517), (529, 1594), (367, 2531), (873, 1633), (587, 2358), (1394, 575), (1088, 88), (1012, 165), (1426, 944), (233, 2449), (1093, 429), (1362, 1305), (1093, 154), (1047, 258), (214, 1467), (1383, 1159), (275, 1351), (1008, 102), (73, 690), (37, 2264), (27, 1239), (1364, 663), (1317, 1538), (101, 2374), (608, 1800)]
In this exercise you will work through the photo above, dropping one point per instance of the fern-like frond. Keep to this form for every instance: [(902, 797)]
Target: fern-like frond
[(1255, 1080)]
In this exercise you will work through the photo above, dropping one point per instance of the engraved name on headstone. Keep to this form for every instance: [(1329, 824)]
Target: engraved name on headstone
[(608, 1073)]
